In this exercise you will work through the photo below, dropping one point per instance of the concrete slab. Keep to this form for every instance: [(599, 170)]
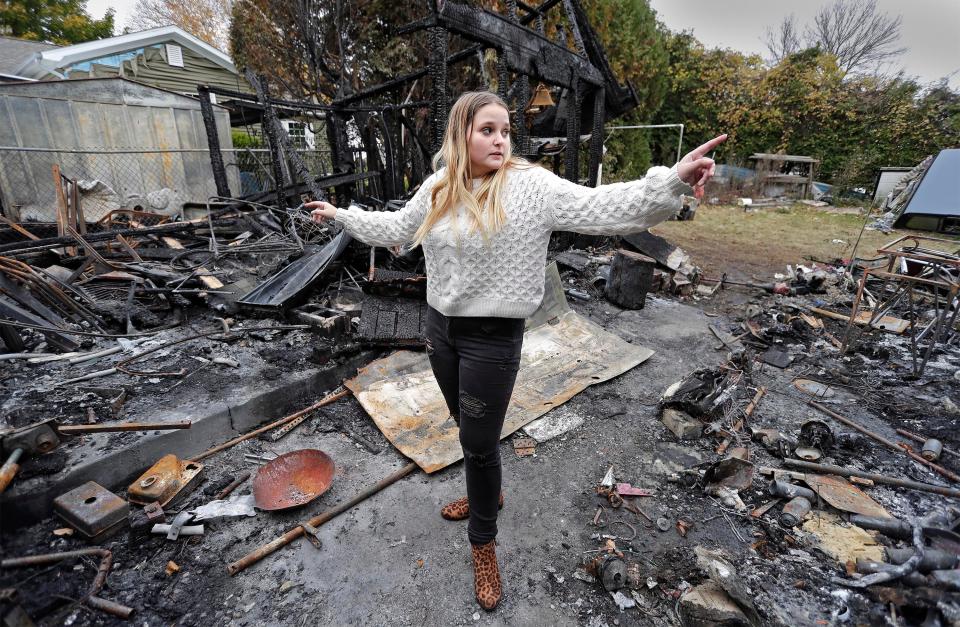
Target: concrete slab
[(237, 408)]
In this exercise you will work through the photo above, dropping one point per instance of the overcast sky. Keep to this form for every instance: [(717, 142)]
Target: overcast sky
[(929, 31)]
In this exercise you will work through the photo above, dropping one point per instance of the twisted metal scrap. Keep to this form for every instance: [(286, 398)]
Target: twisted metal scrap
[(894, 573)]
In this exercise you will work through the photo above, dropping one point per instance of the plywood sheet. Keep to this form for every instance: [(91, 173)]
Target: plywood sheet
[(559, 360)]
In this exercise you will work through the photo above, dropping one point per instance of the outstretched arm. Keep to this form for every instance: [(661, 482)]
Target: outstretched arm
[(631, 206), (379, 228)]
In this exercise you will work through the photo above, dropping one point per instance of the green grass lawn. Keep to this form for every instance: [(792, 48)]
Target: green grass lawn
[(763, 241)]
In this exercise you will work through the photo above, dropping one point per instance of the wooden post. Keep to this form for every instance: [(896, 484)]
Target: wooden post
[(631, 275), (63, 211), (61, 199)]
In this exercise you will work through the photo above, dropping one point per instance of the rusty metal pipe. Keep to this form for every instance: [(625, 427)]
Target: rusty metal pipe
[(258, 554), (10, 468), (123, 426), (903, 448), (326, 400), (91, 598), (110, 607), (850, 472)]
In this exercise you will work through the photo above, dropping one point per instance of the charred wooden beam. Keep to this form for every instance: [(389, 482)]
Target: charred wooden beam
[(596, 137), (572, 166), (574, 27), (521, 135), (457, 57), (439, 40), (272, 131), (617, 99), (213, 142), (56, 242), (54, 337), (526, 51)]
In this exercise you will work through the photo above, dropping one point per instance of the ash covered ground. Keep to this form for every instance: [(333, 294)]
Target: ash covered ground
[(394, 559)]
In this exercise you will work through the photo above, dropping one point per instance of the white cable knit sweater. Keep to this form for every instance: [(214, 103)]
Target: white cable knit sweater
[(504, 277)]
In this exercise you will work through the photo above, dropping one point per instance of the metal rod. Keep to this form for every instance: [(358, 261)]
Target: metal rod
[(255, 556), (123, 426), (850, 472), (233, 485), (756, 401), (326, 400), (844, 341), (640, 126), (9, 469), (903, 448)]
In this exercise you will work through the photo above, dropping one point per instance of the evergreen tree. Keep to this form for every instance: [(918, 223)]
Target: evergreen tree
[(61, 22)]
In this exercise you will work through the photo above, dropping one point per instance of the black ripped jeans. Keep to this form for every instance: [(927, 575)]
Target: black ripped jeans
[(475, 361)]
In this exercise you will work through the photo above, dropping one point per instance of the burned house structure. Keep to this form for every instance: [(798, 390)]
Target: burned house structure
[(368, 160), (589, 95), (378, 147)]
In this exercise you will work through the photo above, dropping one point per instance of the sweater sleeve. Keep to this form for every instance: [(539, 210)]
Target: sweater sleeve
[(389, 228), (615, 208)]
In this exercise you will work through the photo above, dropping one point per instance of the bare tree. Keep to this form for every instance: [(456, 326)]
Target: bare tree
[(861, 38), (856, 33), (208, 20), (784, 41)]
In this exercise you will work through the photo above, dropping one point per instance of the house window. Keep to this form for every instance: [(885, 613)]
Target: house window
[(174, 55), (298, 133)]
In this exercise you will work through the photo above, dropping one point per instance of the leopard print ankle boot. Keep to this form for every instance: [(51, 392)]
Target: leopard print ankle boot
[(460, 509), (486, 575)]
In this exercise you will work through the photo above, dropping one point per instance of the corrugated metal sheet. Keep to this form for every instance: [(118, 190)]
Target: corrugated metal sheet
[(135, 138)]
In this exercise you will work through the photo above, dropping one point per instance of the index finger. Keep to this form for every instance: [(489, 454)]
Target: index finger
[(699, 151)]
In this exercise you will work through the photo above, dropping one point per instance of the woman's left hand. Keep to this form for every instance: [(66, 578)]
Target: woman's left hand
[(695, 169), (321, 211)]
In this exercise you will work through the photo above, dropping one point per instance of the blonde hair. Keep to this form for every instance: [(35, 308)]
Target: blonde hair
[(485, 204)]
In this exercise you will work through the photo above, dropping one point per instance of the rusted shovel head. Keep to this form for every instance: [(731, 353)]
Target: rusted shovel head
[(293, 479)]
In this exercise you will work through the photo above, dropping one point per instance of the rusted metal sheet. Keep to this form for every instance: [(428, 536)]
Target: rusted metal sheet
[(293, 479), (91, 509), (165, 480), (845, 496), (559, 360)]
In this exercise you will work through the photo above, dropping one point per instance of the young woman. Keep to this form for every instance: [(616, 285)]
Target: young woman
[(484, 219)]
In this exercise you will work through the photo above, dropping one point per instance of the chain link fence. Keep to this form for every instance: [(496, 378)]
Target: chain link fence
[(158, 181), (254, 170)]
